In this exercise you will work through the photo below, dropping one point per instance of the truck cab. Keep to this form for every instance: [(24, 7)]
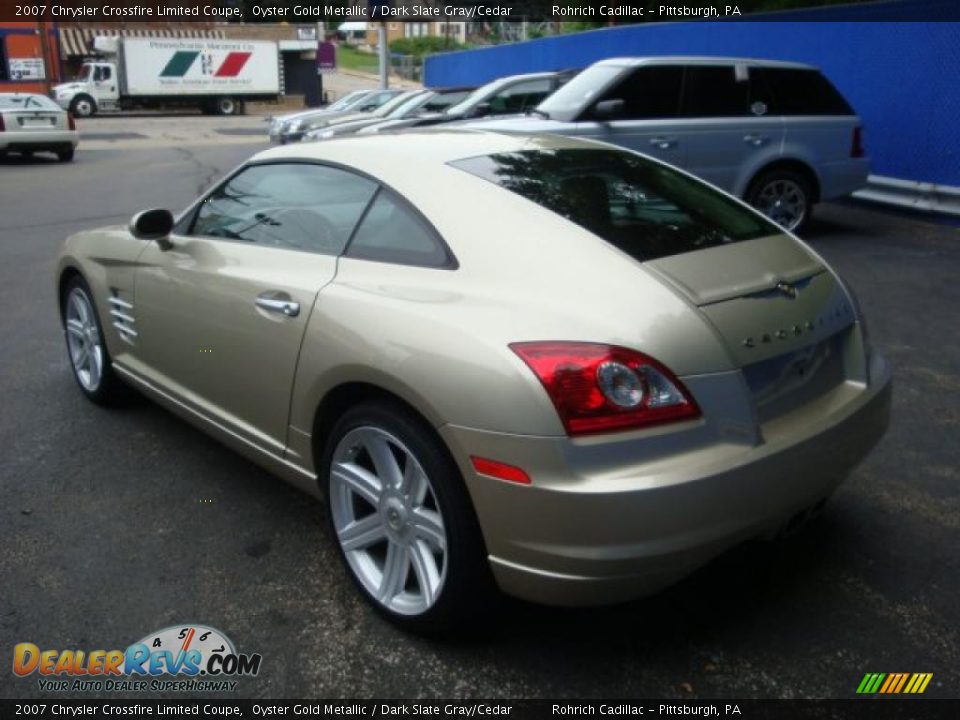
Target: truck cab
[(95, 88)]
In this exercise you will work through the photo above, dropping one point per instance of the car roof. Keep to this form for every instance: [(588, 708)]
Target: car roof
[(700, 60)]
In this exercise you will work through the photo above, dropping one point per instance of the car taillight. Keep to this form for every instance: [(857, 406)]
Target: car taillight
[(603, 388), (856, 143), (71, 123)]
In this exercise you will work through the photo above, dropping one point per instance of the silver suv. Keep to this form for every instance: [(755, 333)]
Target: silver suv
[(777, 134)]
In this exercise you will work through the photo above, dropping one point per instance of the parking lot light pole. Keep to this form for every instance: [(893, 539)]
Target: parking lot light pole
[(384, 56)]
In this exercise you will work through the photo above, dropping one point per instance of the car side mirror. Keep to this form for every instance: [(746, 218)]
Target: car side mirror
[(608, 109), (153, 224)]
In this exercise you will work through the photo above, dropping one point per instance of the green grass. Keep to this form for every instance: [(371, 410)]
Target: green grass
[(350, 58)]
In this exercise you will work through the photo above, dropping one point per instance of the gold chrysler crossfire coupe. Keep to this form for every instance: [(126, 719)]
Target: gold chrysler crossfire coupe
[(533, 363)]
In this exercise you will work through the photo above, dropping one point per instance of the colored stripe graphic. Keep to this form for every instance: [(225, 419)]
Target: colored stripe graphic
[(232, 64), (179, 63), (894, 683)]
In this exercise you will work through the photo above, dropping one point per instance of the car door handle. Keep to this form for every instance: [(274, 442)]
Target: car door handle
[(756, 140), (663, 143), (272, 304)]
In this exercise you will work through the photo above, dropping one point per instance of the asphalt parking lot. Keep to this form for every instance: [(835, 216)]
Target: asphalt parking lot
[(117, 523)]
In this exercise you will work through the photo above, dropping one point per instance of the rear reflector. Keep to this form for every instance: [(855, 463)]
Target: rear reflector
[(499, 470), (856, 143)]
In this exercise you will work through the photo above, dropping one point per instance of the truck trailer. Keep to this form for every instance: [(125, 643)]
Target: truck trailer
[(217, 76)]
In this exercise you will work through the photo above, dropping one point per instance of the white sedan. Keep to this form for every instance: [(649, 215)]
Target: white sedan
[(35, 123)]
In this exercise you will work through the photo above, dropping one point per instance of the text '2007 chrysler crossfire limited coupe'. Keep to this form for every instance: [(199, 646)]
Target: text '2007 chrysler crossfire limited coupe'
[(533, 363)]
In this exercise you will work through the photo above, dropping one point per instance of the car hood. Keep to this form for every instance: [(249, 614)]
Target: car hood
[(68, 86), (308, 114)]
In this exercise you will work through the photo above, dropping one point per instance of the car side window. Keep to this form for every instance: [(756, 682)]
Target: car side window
[(392, 232), (297, 206), (649, 93), (715, 91), (799, 91), (105, 73), (520, 97)]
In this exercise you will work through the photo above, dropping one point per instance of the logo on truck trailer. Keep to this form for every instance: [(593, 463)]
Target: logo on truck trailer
[(182, 60)]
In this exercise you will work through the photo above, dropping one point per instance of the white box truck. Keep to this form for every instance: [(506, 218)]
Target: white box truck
[(217, 76)]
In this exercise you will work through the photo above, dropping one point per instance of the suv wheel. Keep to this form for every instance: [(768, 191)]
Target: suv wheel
[(784, 196), (399, 511)]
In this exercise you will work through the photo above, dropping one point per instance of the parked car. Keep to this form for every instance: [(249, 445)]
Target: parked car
[(408, 106), (514, 94), (290, 127), (320, 123), (35, 123), (538, 363), (777, 134)]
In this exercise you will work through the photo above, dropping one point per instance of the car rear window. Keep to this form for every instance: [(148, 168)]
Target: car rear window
[(27, 102), (645, 209), (802, 92)]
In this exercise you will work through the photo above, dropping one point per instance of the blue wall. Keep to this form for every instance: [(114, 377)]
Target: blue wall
[(903, 78)]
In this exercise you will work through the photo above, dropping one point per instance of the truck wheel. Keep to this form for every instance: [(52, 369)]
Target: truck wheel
[(83, 106), (65, 155), (227, 106)]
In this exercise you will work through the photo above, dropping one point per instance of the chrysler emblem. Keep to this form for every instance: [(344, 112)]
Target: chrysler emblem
[(787, 289)]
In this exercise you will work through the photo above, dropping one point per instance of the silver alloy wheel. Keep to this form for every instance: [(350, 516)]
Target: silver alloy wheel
[(83, 340), (783, 201), (387, 520), (226, 106)]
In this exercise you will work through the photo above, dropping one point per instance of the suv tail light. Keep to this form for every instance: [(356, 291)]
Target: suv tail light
[(856, 143), (604, 388), (71, 123)]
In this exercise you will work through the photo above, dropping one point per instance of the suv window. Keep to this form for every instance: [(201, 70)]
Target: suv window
[(518, 98), (649, 92), (296, 206), (714, 91), (645, 209), (392, 232), (802, 92)]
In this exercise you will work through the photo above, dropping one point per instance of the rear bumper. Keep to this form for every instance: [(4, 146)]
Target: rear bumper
[(38, 141), (844, 177), (593, 535)]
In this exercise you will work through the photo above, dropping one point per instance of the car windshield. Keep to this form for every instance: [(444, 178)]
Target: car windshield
[(646, 209), (348, 100), (395, 103), (27, 102), (85, 72), (476, 97), (410, 104), (570, 100)]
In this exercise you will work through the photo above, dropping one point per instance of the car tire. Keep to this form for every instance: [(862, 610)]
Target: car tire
[(65, 155), (227, 106), (83, 106), (82, 331), (785, 196), (420, 521)]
